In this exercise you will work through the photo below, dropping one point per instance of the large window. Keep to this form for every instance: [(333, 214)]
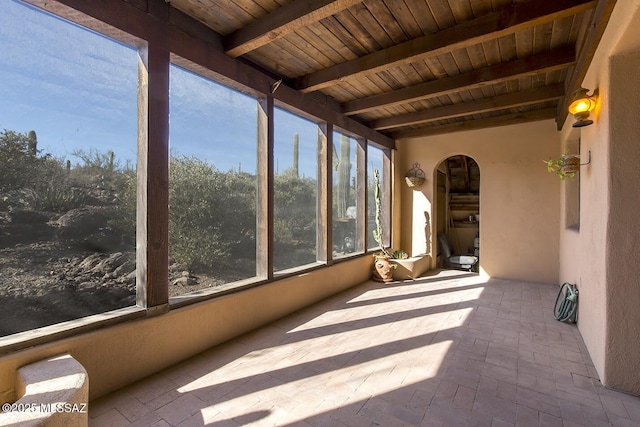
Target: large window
[(345, 196), (68, 142), (378, 160), (212, 184), (254, 191), (295, 190)]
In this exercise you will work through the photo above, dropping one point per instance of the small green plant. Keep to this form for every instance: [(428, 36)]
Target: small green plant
[(566, 166), (399, 254)]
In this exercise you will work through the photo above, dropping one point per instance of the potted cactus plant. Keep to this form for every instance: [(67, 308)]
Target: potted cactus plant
[(382, 266)]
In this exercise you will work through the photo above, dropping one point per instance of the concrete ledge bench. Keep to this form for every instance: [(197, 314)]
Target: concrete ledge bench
[(53, 392), (411, 268)]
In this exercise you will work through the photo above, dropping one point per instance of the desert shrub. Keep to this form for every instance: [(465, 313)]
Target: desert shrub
[(211, 213), (96, 160), (15, 161), (58, 199), (101, 170), (122, 219), (295, 208), (24, 168)]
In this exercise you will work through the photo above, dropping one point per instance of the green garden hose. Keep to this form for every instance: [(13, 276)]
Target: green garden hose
[(566, 303)]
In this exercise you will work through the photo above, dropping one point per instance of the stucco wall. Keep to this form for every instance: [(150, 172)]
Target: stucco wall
[(623, 226), (599, 258), (583, 252), (519, 209), (118, 355)]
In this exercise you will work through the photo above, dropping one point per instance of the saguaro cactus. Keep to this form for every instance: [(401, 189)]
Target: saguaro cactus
[(378, 232), (344, 173), (33, 143), (296, 153), (112, 160)]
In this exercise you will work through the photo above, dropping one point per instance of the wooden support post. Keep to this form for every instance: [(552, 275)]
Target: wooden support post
[(152, 253), (361, 195), (386, 196), (265, 187), (324, 238)]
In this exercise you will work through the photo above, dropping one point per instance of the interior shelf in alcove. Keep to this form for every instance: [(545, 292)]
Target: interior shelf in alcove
[(462, 197)]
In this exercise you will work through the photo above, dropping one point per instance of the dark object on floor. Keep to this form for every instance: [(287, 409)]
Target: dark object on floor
[(566, 303)]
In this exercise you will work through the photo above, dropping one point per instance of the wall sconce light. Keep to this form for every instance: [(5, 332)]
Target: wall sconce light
[(582, 105)]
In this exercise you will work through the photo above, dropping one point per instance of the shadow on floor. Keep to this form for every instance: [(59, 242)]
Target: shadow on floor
[(453, 349)]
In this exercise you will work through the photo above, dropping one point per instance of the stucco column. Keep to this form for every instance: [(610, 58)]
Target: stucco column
[(623, 226)]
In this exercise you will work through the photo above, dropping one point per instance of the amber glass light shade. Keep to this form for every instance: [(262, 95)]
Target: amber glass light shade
[(582, 106)]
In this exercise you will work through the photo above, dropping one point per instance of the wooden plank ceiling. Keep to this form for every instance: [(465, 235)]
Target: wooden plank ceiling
[(418, 67)]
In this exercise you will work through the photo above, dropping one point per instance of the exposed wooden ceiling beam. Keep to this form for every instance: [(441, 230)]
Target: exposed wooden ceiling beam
[(502, 120), (542, 63), (120, 20), (510, 100), (598, 24), (280, 22), (479, 30)]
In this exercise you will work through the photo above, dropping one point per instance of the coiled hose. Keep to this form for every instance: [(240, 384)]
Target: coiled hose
[(566, 303)]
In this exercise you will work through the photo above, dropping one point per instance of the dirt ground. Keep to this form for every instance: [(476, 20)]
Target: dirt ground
[(35, 289), (45, 279), (42, 284)]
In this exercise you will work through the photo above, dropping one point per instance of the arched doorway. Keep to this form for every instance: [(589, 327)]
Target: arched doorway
[(458, 205)]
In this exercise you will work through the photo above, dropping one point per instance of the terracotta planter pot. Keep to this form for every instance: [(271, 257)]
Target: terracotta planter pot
[(382, 269)]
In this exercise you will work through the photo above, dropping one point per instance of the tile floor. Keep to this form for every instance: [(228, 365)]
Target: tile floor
[(450, 349)]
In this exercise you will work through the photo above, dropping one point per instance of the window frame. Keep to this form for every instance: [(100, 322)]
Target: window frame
[(192, 46)]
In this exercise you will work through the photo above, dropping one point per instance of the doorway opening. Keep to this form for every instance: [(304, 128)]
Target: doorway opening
[(458, 213)]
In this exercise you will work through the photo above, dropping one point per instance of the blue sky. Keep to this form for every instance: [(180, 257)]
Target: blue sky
[(74, 94), (78, 90)]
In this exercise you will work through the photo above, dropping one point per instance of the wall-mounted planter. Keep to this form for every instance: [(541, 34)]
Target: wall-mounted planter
[(567, 166), (415, 177), (570, 164)]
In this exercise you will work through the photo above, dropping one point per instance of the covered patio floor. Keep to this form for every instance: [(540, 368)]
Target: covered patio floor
[(449, 349)]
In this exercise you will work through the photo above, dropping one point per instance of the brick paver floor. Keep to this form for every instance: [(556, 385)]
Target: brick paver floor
[(449, 349)]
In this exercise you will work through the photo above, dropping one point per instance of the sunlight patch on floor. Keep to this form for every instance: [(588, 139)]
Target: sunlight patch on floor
[(375, 377), (384, 303), (401, 336)]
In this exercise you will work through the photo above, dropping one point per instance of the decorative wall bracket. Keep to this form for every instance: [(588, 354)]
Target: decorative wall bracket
[(588, 161)]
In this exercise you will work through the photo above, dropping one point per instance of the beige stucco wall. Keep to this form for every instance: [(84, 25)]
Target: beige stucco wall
[(118, 355), (583, 252), (519, 209), (599, 258), (623, 242)]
